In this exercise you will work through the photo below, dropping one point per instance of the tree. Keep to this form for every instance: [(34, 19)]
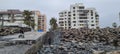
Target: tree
[(53, 23), (28, 18), (114, 24)]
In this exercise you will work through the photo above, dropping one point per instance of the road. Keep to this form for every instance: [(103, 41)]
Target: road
[(18, 49)]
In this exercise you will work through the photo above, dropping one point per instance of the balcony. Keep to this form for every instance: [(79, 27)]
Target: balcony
[(61, 19), (82, 17), (82, 14), (96, 15)]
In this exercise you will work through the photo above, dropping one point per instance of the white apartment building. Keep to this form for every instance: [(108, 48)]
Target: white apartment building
[(16, 16), (79, 17), (64, 20)]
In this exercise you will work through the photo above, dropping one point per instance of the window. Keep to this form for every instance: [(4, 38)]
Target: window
[(92, 21), (96, 21), (92, 25), (69, 27), (69, 12), (69, 15), (81, 25), (81, 21), (73, 10), (82, 17), (82, 14), (60, 18), (69, 24), (74, 21), (68, 18), (61, 22), (73, 7), (81, 7), (65, 22), (61, 25), (79, 10), (74, 24), (74, 18), (91, 17), (65, 12), (73, 14), (91, 13), (96, 18), (96, 15), (68, 21), (61, 15)]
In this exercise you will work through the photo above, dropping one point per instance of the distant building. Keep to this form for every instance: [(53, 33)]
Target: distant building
[(16, 16), (11, 15), (40, 21), (78, 17)]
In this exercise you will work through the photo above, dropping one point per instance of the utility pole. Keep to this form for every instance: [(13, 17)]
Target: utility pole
[(86, 22), (119, 16), (1, 19)]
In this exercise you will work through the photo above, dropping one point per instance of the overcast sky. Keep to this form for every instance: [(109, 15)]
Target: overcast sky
[(107, 9)]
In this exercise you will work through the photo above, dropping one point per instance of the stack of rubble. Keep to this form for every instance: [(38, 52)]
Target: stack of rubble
[(105, 35), (85, 41), (11, 30)]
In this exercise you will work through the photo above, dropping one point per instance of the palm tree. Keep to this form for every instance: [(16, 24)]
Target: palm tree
[(53, 23), (114, 24), (28, 18)]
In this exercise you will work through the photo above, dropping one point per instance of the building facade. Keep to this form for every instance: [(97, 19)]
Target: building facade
[(64, 20), (79, 17), (16, 16), (42, 22)]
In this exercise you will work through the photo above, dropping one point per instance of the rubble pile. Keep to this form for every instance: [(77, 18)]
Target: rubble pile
[(11, 30), (84, 41), (104, 35)]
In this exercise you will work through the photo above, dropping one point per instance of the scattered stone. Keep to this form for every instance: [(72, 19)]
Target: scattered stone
[(86, 41)]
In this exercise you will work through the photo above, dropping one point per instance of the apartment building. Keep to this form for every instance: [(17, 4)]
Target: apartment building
[(11, 15), (64, 20), (79, 17), (16, 16), (42, 22)]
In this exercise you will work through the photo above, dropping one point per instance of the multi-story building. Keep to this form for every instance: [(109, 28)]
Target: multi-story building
[(64, 20), (79, 17), (11, 15), (42, 22), (16, 16)]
